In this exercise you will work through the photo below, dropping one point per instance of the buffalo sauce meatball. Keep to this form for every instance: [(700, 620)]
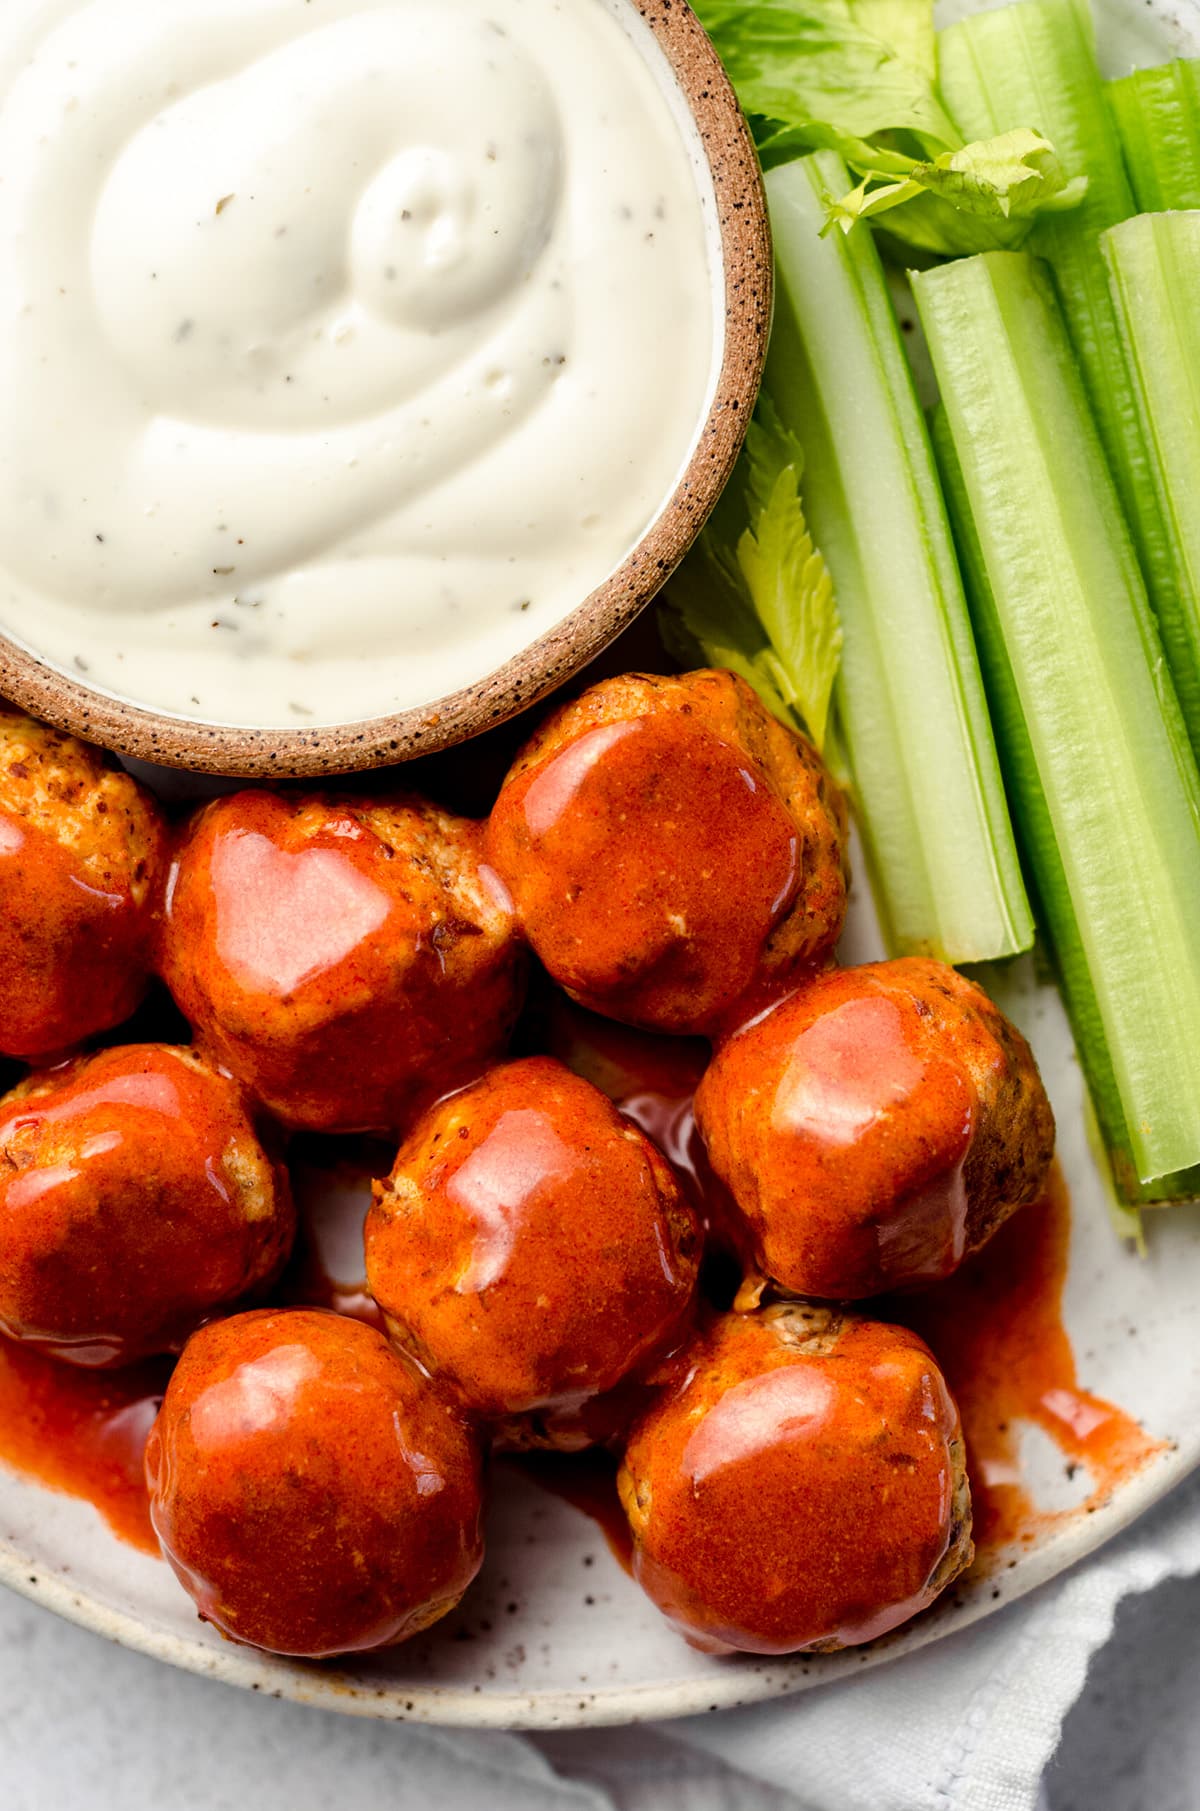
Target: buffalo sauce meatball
[(347, 960), (874, 1128), (82, 851), (800, 1485), (670, 846), (532, 1246), (314, 1494), (135, 1200)]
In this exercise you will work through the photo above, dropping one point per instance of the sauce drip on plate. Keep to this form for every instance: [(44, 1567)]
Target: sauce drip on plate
[(997, 1329), (588, 1482), (82, 1432)]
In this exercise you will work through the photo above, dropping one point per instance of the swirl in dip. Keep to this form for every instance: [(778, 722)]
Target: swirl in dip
[(349, 344)]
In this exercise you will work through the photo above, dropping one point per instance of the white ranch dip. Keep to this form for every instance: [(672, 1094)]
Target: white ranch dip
[(345, 345)]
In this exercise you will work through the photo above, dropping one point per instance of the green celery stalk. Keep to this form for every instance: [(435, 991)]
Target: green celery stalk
[(910, 700), (1157, 113), (1154, 272), (1113, 823), (1039, 846), (1035, 62)]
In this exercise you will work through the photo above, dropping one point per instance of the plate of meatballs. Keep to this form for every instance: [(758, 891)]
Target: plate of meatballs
[(500, 1245)]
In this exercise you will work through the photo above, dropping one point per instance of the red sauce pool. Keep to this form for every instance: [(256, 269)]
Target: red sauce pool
[(996, 1327), (82, 1432)]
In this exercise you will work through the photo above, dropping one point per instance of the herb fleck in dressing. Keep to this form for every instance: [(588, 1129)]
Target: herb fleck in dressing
[(348, 343)]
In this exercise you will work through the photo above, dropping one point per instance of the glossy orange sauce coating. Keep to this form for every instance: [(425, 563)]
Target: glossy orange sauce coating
[(135, 1200), (532, 1246), (74, 945), (996, 1328), (871, 1127), (998, 1331), (313, 1493), (799, 1487), (671, 931), (349, 961), (666, 843), (802, 1123), (303, 1033)]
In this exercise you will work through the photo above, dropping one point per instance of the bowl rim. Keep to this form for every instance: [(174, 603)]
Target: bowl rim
[(245, 752)]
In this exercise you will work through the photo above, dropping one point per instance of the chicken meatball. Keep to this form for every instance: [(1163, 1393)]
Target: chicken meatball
[(135, 1200), (532, 1246), (314, 1494), (348, 960), (82, 851), (669, 846), (800, 1486), (874, 1128)]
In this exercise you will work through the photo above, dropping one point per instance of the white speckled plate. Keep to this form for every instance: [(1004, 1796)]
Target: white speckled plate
[(554, 1633)]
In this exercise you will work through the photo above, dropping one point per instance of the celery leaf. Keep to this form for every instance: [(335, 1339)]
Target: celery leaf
[(1010, 177), (1014, 174), (755, 595)]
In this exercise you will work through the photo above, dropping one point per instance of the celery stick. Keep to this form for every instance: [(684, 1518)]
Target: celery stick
[(1154, 270), (1120, 795), (1034, 64), (910, 696), (1157, 112), (1039, 846)]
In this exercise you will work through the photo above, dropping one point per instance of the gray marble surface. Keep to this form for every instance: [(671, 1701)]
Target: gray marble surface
[(88, 1727)]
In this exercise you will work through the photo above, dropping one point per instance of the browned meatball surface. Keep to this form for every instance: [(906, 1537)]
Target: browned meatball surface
[(313, 1493), (801, 1485), (348, 960), (532, 1246), (875, 1128), (669, 846), (135, 1200), (82, 852)]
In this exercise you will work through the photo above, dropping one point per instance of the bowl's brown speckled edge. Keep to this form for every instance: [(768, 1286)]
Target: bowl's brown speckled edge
[(345, 748)]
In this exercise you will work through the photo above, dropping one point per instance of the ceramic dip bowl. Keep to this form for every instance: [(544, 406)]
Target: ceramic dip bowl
[(493, 674)]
